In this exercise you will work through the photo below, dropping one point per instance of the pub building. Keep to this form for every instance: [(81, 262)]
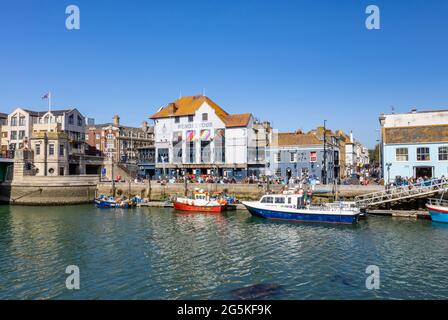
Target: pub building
[(194, 135)]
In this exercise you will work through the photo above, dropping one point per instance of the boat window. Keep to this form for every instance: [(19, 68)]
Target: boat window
[(263, 200), (268, 200), (279, 199), (289, 200)]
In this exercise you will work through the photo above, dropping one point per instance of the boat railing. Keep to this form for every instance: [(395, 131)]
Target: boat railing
[(438, 202)]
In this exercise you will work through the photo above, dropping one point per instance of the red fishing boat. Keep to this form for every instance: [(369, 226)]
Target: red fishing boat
[(200, 202)]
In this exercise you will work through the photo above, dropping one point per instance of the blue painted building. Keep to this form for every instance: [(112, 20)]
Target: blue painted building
[(301, 155), (414, 144)]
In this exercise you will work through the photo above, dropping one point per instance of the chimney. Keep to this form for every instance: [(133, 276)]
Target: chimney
[(351, 136), (116, 120)]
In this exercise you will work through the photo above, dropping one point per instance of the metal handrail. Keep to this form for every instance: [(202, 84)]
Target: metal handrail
[(438, 202), (402, 192)]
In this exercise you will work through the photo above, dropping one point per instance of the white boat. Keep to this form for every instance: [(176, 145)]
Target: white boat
[(294, 207)]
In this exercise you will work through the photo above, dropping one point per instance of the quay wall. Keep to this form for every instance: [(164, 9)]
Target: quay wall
[(57, 190), (160, 192)]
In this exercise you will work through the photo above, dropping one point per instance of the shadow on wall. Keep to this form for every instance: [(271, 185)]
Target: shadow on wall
[(5, 193)]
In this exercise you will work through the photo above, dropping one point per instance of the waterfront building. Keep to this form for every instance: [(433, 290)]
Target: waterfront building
[(3, 135), (356, 154), (301, 155), (55, 137), (123, 144), (414, 144), (194, 135)]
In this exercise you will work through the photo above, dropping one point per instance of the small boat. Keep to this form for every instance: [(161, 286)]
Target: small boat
[(111, 202), (200, 202), (295, 207), (438, 210)]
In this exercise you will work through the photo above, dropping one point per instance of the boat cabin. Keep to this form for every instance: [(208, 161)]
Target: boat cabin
[(286, 200)]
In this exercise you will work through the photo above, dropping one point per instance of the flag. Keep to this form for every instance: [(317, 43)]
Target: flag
[(46, 96)]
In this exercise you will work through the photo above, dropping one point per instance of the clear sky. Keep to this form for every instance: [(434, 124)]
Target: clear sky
[(294, 63)]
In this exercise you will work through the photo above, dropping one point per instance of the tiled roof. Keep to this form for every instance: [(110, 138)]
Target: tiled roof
[(188, 105), (237, 120), (423, 134), (294, 139)]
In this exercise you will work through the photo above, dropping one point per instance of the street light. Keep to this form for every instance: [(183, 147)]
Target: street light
[(388, 165)]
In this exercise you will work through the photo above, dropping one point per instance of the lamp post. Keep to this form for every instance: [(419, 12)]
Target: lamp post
[(388, 165), (324, 170)]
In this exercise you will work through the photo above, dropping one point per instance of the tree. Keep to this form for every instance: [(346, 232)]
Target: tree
[(374, 155)]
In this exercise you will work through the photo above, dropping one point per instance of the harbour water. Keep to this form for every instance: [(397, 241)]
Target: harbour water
[(155, 253)]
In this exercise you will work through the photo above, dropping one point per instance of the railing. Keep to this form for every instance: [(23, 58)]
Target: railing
[(438, 202), (414, 190)]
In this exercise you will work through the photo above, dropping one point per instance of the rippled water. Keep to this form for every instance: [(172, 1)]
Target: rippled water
[(162, 254)]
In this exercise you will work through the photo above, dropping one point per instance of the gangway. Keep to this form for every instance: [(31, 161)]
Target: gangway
[(396, 194)]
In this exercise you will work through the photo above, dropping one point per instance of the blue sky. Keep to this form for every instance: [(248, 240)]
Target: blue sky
[(294, 63)]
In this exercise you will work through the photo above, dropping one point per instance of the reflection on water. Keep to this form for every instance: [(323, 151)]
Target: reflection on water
[(149, 253)]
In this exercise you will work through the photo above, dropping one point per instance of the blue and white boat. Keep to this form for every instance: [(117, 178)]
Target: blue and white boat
[(110, 202), (438, 210), (294, 207)]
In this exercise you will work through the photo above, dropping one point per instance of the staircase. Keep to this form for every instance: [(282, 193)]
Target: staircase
[(397, 194)]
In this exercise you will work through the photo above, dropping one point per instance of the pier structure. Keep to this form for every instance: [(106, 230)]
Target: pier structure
[(403, 193)]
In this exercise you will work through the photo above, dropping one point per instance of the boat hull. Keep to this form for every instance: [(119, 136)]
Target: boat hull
[(302, 216), (187, 207), (438, 213)]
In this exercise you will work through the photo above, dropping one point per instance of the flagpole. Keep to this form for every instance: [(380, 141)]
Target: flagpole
[(49, 101)]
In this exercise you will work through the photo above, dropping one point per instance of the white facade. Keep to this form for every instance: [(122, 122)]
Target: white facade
[(202, 143)]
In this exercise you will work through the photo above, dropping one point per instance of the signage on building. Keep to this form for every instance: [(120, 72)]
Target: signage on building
[(195, 125)]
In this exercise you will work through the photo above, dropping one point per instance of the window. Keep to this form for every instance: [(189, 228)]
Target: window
[(51, 149), (97, 136), (204, 116), (267, 200), (190, 118), (293, 156), (14, 121), (176, 119), (37, 149), (401, 154), (162, 156), (79, 121), (21, 121), (13, 135), (61, 171), (278, 157), (443, 153), (313, 156), (21, 134), (71, 119), (61, 150), (279, 199), (423, 154)]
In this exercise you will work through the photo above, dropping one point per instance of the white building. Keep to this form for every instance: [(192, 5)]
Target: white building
[(356, 155), (56, 137), (196, 136)]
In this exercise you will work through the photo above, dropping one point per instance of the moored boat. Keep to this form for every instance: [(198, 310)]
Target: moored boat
[(200, 202), (438, 210), (111, 202), (294, 207)]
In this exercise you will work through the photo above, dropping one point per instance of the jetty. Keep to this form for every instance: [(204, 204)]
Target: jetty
[(400, 194)]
